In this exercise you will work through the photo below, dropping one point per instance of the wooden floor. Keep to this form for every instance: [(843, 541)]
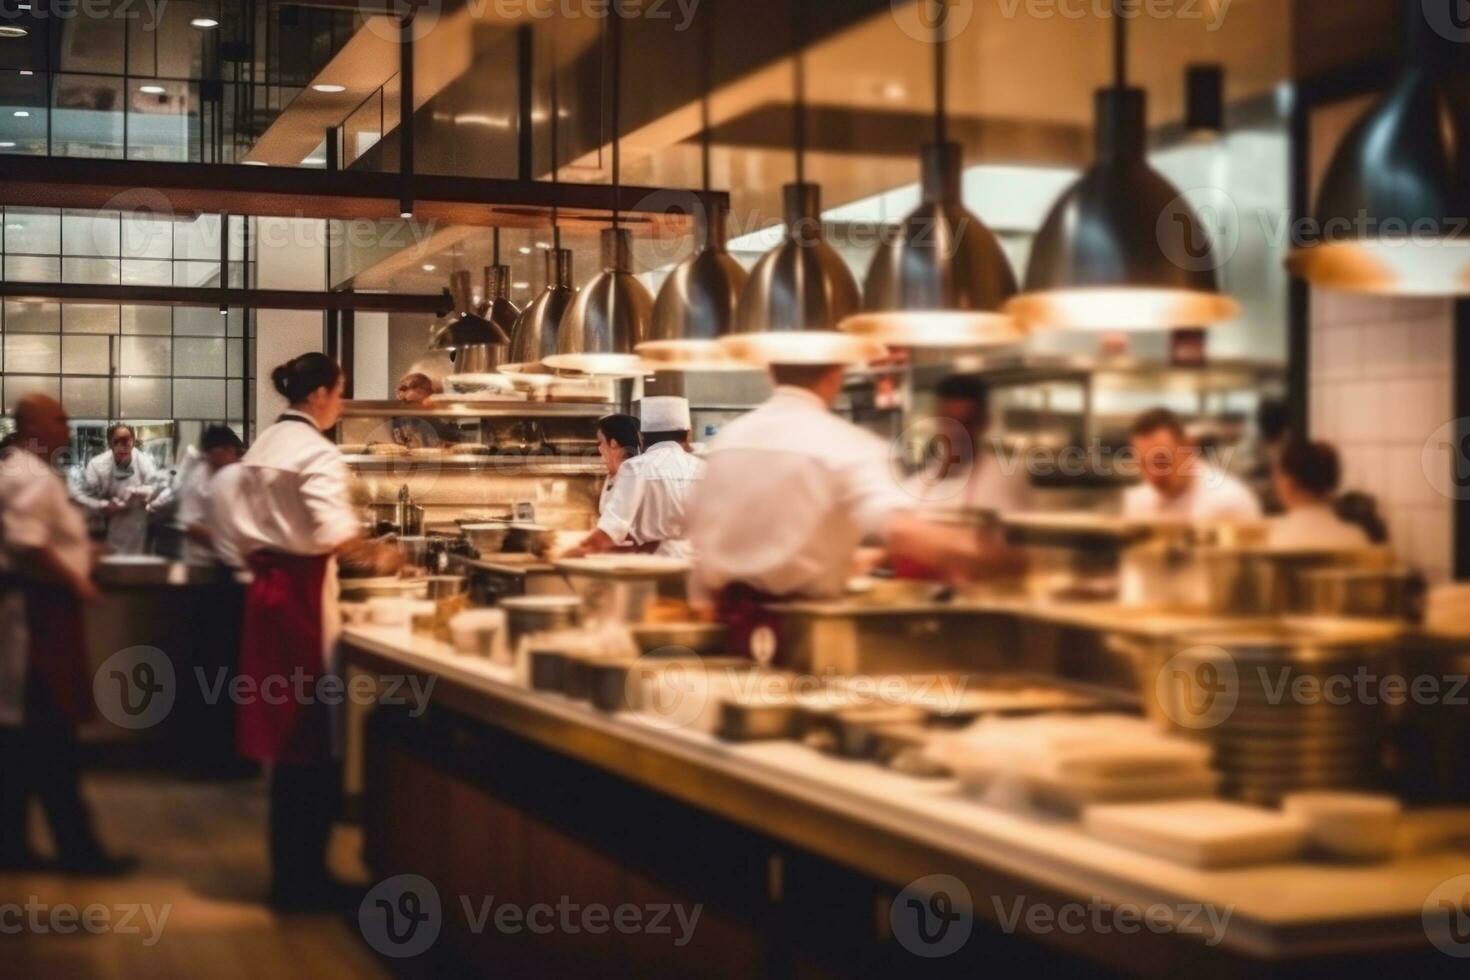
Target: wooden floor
[(202, 851)]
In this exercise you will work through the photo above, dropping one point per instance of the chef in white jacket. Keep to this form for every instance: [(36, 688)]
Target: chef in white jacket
[(219, 447), (122, 485), (645, 508), (1177, 482), (1306, 475), (789, 493)]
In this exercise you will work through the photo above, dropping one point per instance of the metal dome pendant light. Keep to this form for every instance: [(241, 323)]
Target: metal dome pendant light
[(1391, 211), (1121, 249), (489, 322), (534, 337), (696, 303), (943, 281), (610, 314), (802, 283)]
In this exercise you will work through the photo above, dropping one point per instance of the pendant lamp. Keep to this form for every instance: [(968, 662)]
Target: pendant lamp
[(696, 303), (534, 337), (467, 325), (610, 315), (943, 281), (1391, 212), (1121, 249), (802, 283)]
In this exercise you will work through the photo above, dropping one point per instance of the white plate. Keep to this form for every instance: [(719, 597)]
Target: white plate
[(1199, 833)]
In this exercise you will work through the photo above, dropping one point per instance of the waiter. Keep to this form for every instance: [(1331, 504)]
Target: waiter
[(290, 520), (645, 507), (789, 492), (1177, 482), (45, 683), (121, 485)]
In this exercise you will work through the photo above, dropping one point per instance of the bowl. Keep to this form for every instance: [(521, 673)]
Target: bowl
[(487, 538), (477, 632), (397, 612)]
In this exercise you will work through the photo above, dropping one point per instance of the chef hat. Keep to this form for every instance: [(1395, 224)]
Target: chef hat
[(664, 413)]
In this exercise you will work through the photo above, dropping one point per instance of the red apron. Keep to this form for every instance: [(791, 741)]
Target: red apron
[(281, 655), (58, 650), (753, 628)]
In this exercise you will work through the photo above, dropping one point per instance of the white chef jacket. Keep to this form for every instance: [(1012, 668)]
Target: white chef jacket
[(649, 499), (36, 511), (991, 481), (789, 492), (102, 480), (194, 491), (1314, 526), (292, 492), (1212, 495), (221, 499)]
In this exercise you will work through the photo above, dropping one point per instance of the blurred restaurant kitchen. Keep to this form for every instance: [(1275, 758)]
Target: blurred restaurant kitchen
[(794, 488)]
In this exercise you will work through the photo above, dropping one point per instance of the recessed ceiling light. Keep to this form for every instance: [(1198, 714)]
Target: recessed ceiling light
[(6, 144), (23, 6), (543, 244), (22, 114), (524, 250), (427, 267), (892, 91), (11, 30), (152, 89), (26, 71), (314, 162), (256, 163), (204, 23), (328, 88), (405, 215), (521, 285)]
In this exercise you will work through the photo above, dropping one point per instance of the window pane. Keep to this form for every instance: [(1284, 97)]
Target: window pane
[(159, 122), (90, 233), (145, 236), (144, 398), (197, 239), (199, 399), (23, 126), (147, 272), (25, 316), (88, 121), (235, 399), (32, 353), (90, 270), (146, 320), (18, 386), (235, 358), (31, 268), (196, 274), (94, 42), (89, 318), (237, 322), (83, 354), (198, 357), (198, 321), (85, 397), (36, 232), (146, 355)]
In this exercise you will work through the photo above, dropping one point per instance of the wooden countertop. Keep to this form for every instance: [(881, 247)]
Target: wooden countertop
[(900, 824)]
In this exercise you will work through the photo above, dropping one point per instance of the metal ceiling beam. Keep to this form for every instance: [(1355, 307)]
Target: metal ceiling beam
[(437, 304), (187, 189)]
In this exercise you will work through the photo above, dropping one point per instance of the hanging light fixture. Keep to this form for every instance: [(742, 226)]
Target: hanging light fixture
[(534, 337), (485, 324), (802, 283), (943, 281), (696, 303), (1391, 212), (1121, 249), (610, 315)]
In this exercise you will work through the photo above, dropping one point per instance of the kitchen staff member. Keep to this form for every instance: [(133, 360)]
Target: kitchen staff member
[(789, 492), (645, 509), (122, 484), (617, 442), (290, 520), (967, 473), (415, 432), (219, 447), (45, 680), (1306, 476), (1177, 481)]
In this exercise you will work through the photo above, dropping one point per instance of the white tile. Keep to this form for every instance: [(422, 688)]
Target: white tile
[(1408, 484), (1412, 409), (1434, 537), (1343, 353), (1430, 344)]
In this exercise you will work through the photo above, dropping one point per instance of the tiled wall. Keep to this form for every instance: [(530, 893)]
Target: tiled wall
[(1380, 386)]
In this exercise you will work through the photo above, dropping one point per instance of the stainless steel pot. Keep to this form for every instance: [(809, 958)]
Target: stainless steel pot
[(1390, 593), (525, 615), (479, 358)]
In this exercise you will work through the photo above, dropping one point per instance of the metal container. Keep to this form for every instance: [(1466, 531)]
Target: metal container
[(414, 549), (548, 669), (527, 615), (533, 539), (848, 732), (672, 639), (487, 538), (1431, 730), (1268, 581), (1390, 593), (444, 586), (757, 719), (357, 589)]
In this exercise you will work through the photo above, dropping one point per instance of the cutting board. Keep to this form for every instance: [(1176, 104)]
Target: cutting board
[(1199, 833)]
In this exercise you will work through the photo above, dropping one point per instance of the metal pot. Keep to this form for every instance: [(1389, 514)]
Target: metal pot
[(479, 358), (1390, 593), (525, 615), (487, 538)]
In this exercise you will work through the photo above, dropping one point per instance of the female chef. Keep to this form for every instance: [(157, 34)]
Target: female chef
[(290, 518), (124, 486), (617, 442)]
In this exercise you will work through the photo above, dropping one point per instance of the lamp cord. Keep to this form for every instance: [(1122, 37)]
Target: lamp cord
[(615, 59), (555, 166), (941, 88), (1120, 46), (798, 75), (706, 83)]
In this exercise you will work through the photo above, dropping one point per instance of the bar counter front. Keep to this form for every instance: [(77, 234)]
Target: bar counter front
[(800, 863)]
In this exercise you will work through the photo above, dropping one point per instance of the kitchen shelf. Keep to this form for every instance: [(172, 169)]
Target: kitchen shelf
[(508, 464), (477, 410)]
